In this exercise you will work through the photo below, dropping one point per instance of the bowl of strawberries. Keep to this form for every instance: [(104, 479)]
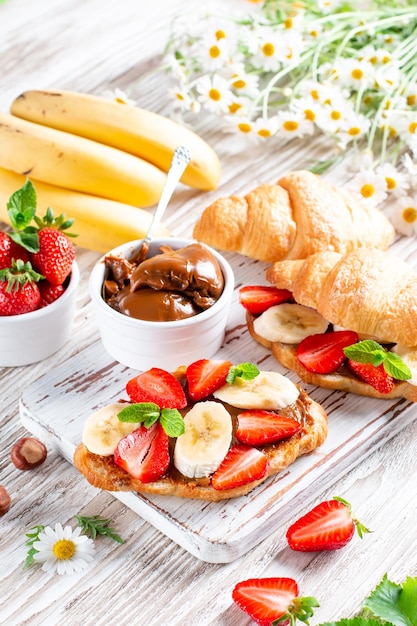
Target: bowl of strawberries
[(39, 278)]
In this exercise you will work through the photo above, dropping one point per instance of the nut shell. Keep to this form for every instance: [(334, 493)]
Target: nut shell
[(28, 453), (4, 500)]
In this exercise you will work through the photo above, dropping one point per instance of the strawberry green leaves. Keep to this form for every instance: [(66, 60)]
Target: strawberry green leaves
[(149, 412), (369, 351)]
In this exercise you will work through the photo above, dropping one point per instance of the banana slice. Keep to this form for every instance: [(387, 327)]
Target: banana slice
[(289, 323), (206, 440), (103, 429), (409, 356), (269, 391)]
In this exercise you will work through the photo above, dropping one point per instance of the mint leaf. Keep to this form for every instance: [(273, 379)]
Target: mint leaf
[(369, 351), (21, 206), (140, 412), (172, 422), (244, 371), (408, 599), (149, 412), (384, 602)]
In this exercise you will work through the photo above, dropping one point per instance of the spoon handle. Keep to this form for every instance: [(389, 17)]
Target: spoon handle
[(180, 160)]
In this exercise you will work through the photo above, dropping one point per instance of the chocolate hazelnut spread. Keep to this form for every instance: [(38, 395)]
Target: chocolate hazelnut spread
[(172, 285)]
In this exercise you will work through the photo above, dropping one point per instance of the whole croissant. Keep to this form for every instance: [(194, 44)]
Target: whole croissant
[(300, 215), (366, 290)]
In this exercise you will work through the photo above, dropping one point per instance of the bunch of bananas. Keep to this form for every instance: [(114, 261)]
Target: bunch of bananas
[(99, 161)]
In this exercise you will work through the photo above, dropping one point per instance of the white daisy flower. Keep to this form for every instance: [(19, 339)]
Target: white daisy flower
[(387, 77), (63, 550), (307, 105), (369, 187), (212, 53), (268, 54), (241, 82), (215, 94), (353, 126), (265, 127), (291, 124), (397, 181), (403, 215), (354, 73), (119, 96), (332, 116)]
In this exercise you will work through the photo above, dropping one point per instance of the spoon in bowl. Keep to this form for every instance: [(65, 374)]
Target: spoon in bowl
[(179, 162)]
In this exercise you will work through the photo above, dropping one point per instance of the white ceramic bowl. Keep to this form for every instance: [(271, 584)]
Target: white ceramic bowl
[(143, 344), (34, 336)]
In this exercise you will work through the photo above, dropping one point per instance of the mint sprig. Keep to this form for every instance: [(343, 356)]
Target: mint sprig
[(149, 412), (244, 371), (21, 208), (369, 351), (96, 525)]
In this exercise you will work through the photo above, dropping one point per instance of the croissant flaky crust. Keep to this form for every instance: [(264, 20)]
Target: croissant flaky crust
[(299, 215), (369, 291)]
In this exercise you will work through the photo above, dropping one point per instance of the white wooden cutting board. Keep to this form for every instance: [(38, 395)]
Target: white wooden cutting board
[(55, 407)]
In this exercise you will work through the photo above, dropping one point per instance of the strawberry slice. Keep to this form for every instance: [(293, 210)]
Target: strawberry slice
[(376, 376), (158, 386), (328, 526), (241, 465), (206, 376), (257, 427), (323, 353), (258, 298), (265, 599), (144, 453)]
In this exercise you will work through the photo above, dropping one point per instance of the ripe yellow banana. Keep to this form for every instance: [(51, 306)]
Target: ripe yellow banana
[(143, 133), (101, 224), (77, 163)]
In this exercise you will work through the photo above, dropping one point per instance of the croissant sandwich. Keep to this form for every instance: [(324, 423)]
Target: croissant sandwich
[(300, 215), (341, 321), (211, 431)]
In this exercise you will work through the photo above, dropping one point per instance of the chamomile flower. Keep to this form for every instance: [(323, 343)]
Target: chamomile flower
[(292, 124), (268, 52), (369, 187), (118, 95), (63, 550), (215, 94), (403, 215), (353, 73), (353, 127), (265, 127), (396, 180)]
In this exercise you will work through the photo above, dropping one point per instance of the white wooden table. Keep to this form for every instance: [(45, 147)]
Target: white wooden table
[(150, 580)]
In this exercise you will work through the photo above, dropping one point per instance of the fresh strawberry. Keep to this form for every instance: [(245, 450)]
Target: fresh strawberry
[(55, 257), (257, 427), (10, 250), (19, 292), (266, 600), (323, 353), (241, 465), (376, 376), (206, 376), (258, 298), (144, 453), (158, 386), (49, 293), (328, 526)]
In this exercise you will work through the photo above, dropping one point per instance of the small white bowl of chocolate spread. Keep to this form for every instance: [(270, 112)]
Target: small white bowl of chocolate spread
[(167, 308)]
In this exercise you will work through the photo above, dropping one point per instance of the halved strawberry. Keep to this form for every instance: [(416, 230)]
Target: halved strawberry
[(158, 386), (323, 353), (258, 298), (257, 427), (376, 376), (241, 465), (266, 600), (205, 376), (144, 453), (328, 526)]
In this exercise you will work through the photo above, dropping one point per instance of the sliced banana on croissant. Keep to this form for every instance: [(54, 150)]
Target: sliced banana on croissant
[(103, 429), (269, 391), (289, 323), (202, 447)]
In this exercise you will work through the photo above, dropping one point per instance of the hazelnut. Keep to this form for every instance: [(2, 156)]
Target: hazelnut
[(4, 501), (28, 453)]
